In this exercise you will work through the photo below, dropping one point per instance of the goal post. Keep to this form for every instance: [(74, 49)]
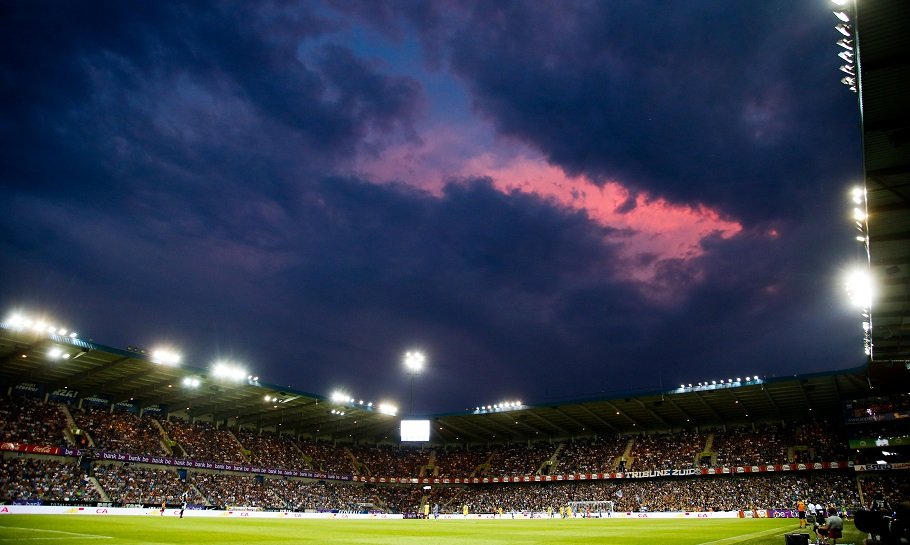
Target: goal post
[(594, 507)]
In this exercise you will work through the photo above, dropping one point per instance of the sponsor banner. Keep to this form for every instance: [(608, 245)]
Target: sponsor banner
[(27, 388), (660, 473), (874, 442), (153, 409), (189, 513), (64, 395), (881, 467), (33, 449), (781, 513), (126, 407), (96, 401)]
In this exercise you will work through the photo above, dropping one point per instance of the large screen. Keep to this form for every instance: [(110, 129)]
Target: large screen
[(415, 430)]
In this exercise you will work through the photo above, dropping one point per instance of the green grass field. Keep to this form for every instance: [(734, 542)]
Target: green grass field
[(126, 530)]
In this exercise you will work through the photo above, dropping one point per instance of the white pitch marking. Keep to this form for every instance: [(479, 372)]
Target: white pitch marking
[(54, 532), (744, 537)]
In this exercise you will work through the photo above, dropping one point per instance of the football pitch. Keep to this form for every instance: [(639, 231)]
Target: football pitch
[(128, 530)]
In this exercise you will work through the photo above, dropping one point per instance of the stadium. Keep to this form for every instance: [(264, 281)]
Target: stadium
[(130, 445)]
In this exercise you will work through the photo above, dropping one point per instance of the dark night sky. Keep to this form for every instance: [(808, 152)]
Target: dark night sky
[(553, 200)]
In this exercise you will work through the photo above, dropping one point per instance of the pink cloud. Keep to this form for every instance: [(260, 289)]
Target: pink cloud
[(652, 231)]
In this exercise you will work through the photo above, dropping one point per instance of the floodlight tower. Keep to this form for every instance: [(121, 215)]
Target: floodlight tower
[(413, 364)]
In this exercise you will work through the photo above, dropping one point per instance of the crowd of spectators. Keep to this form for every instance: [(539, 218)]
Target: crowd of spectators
[(743, 446), (388, 460), (519, 459), (268, 449), (821, 442), (886, 488), (666, 451), (699, 494), (120, 431), (327, 457), (141, 485), (45, 480), (26, 479), (459, 462), (28, 420), (589, 455), (231, 491), (203, 441)]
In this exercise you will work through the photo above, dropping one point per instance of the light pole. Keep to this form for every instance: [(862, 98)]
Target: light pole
[(413, 364)]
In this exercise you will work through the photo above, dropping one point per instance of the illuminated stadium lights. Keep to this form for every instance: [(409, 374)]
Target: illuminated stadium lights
[(414, 361), (499, 407), (21, 322), (166, 356), (720, 383), (847, 43), (388, 408), (57, 353), (191, 382), (336, 412), (229, 371), (340, 397), (859, 288)]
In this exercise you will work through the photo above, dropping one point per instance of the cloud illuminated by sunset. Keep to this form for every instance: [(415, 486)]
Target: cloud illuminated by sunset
[(649, 230)]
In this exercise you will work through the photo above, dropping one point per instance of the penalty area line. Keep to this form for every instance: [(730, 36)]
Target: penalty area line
[(745, 537)]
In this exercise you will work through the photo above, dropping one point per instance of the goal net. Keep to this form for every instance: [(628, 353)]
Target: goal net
[(595, 508)]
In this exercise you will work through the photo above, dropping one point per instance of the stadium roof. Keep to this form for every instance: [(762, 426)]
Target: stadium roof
[(55, 362), (884, 88)]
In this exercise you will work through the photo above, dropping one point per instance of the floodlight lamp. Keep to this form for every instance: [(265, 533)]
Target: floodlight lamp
[(848, 69), (859, 288), (858, 214), (228, 371), (339, 397), (846, 43), (713, 382), (413, 361), (55, 353), (846, 55), (844, 29), (73, 335), (842, 15), (166, 356), (755, 377)]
